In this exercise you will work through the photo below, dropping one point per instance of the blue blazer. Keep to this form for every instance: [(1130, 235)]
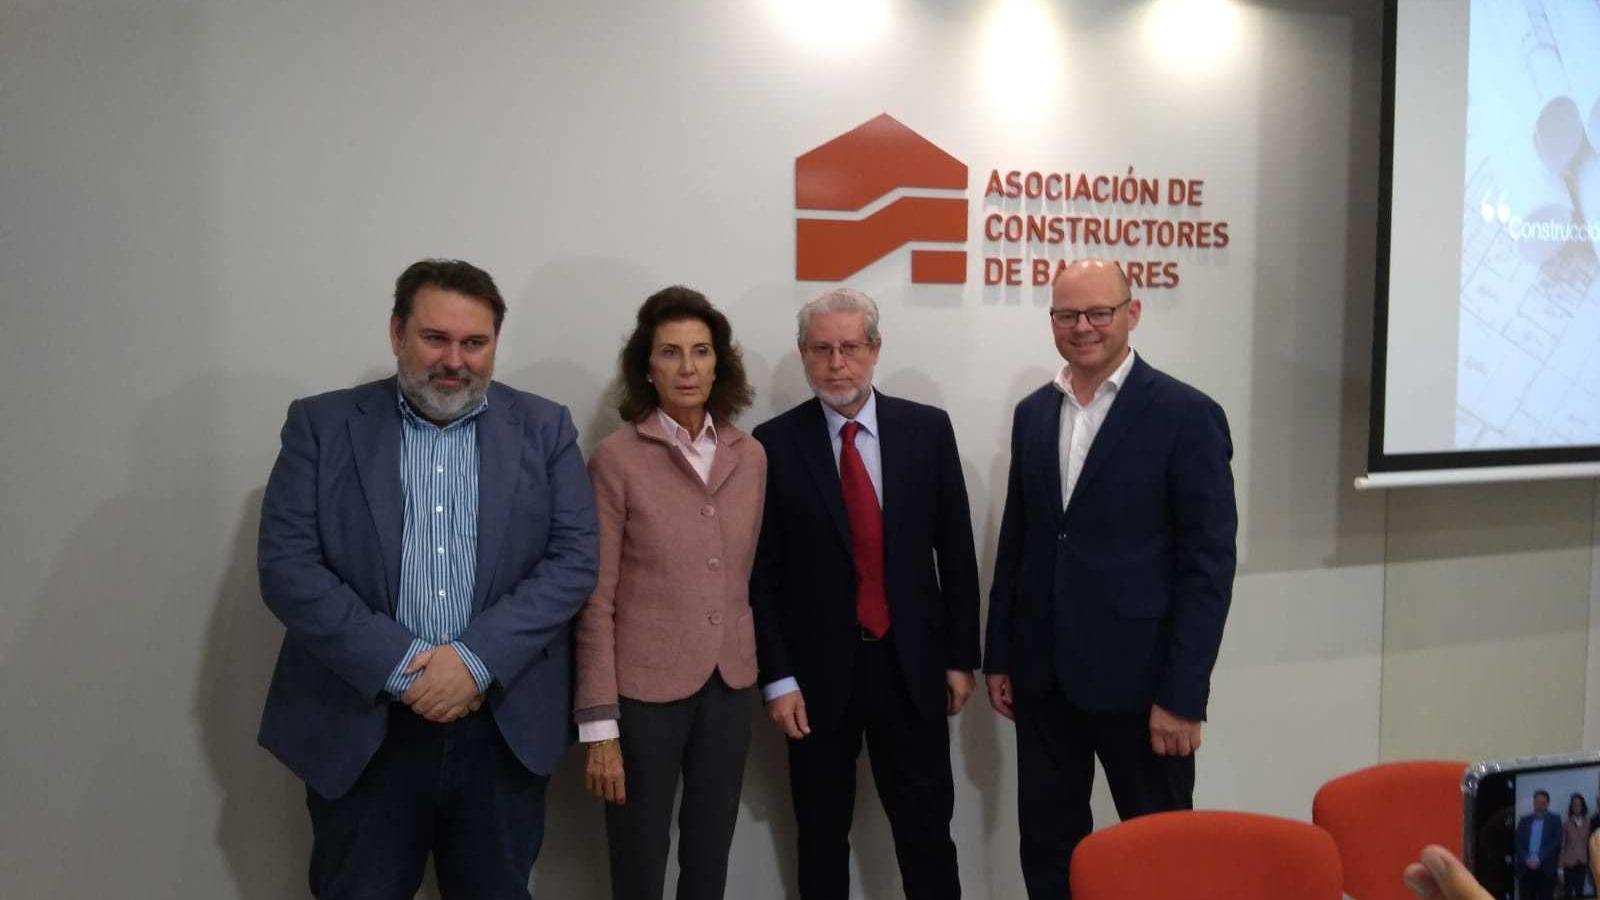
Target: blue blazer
[(329, 561), (1119, 600), (803, 585), (1549, 842)]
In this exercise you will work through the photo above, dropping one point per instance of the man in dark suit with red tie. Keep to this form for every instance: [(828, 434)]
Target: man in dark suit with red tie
[(865, 591)]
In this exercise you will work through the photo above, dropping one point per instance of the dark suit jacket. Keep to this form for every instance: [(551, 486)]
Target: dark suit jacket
[(803, 586), (329, 561), (1120, 599), (1549, 843)]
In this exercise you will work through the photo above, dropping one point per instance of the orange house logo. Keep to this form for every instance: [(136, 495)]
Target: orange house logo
[(856, 170)]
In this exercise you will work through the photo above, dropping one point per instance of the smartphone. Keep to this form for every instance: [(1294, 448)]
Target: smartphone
[(1525, 817)]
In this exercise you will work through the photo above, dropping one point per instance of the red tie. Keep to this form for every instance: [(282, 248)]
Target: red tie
[(866, 533)]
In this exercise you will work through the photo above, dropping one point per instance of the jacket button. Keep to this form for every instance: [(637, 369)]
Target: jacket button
[(708, 510), (1062, 536), (713, 564), (715, 618)]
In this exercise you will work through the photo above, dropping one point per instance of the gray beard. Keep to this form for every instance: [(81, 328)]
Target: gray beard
[(838, 400), (441, 406)]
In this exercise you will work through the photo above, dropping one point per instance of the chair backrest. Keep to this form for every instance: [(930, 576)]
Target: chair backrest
[(1207, 855), (1381, 817)]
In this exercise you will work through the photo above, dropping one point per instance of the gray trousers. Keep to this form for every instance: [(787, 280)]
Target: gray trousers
[(703, 738)]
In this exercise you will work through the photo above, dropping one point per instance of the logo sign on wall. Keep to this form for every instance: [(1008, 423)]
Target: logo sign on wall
[(879, 186), (860, 168)]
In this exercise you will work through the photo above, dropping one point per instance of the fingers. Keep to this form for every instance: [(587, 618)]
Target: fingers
[(603, 772), (1420, 881), (420, 661), (443, 711), (1163, 741), (788, 712), (616, 781), (594, 775), (1452, 878), (789, 724), (776, 714), (1000, 694), (958, 689)]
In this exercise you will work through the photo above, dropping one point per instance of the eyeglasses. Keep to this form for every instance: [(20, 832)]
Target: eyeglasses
[(1099, 317), (848, 349)]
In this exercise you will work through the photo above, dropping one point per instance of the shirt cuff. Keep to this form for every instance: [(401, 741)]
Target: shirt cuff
[(399, 680), (480, 672), (778, 688), (600, 730)]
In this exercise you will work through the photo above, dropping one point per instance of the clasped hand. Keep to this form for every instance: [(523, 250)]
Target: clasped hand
[(446, 690)]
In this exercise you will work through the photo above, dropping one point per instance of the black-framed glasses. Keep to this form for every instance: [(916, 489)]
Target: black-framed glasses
[(1099, 316), (847, 349)]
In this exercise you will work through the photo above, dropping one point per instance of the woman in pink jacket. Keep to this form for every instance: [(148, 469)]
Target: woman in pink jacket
[(666, 645)]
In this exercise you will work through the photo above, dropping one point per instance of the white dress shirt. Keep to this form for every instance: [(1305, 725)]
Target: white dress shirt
[(699, 451), (872, 457), (1081, 422)]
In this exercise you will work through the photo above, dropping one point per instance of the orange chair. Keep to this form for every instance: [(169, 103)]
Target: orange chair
[(1381, 817), (1207, 855)]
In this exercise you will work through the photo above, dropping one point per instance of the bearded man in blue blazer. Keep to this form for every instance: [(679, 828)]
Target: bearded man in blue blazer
[(425, 540), (1112, 579)]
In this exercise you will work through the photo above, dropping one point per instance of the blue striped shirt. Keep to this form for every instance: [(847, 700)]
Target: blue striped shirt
[(439, 549)]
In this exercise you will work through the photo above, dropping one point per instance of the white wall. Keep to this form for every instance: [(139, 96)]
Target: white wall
[(202, 207)]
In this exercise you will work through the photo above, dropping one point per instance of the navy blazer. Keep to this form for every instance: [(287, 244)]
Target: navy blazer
[(329, 561), (1120, 599), (803, 585), (1549, 842)]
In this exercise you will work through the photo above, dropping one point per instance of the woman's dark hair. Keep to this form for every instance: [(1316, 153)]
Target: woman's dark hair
[(633, 395), (1581, 802)]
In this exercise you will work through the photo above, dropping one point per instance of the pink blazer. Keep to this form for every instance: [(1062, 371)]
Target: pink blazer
[(673, 601)]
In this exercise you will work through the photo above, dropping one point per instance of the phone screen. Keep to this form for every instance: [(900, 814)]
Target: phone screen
[(1529, 831)]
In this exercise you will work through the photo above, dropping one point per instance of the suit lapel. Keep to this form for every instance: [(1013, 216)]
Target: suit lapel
[(375, 441), (499, 452), (1132, 399), (1049, 438), (723, 464), (894, 437), (650, 428), (816, 448)]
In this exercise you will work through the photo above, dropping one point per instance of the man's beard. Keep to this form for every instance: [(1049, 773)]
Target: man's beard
[(439, 405), (839, 399)]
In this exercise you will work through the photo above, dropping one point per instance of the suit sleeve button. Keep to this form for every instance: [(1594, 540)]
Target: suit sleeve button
[(708, 510), (714, 564)]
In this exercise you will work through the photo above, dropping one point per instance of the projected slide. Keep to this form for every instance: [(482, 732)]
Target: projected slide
[(1528, 358)]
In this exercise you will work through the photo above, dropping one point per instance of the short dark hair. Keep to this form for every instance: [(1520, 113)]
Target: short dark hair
[(633, 395), (456, 275), (1544, 792)]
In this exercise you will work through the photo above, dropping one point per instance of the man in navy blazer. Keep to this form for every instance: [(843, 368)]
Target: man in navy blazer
[(1112, 579), (865, 593), (1536, 855), (425, 540)]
